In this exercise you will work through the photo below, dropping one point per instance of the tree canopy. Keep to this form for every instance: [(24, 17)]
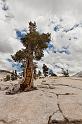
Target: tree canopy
[(34, 43)]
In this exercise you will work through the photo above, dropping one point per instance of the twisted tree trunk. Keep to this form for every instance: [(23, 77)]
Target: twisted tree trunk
[(28, 76)]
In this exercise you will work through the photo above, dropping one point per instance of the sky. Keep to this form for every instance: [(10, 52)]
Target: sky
[(62, 18)]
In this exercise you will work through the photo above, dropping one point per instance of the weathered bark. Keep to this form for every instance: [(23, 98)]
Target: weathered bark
[(28, 75)]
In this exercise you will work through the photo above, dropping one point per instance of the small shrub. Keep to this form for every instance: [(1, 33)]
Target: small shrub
[(7, 78)]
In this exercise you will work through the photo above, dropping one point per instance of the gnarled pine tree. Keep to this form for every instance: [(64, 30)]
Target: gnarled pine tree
[(34, 43)]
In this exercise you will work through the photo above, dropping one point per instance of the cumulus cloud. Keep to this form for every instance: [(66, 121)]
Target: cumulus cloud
[(28, 8), (8, 41), (48, 14), (4, 35)]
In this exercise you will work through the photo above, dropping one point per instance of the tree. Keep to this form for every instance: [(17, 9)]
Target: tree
[(34, 43), (51, 72), (65, 72), (7, 78), (39, 73), (14, 76), (34, 68), (45, 70)]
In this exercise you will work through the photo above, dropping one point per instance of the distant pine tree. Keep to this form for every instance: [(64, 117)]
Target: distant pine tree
[(65, 72), (14, 75), (34, 68), (39, 73), (34, 43), (51, 72), (7, 78), (45, 70)]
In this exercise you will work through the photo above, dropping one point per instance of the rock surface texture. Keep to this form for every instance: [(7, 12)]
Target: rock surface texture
[(58, 100)]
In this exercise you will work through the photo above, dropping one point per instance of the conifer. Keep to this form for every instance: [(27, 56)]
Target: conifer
[(34, 43)]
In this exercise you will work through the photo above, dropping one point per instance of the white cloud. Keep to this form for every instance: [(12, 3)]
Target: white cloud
[(47, 14)]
